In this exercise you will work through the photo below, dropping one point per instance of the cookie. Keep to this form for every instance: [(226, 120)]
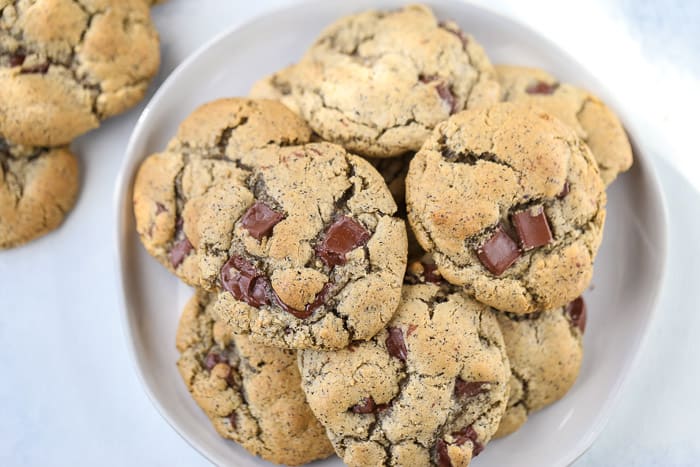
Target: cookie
[(545, 350), (592, 120), (378, 82), (510, 203), (38, 187), (276, 86), (428, 390), (251, 393), (316, 257), (204, 157), (65, 65)]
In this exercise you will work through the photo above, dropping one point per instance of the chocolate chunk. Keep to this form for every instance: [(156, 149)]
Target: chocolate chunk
[(442, 89), (366, 405), (443, 458), (542, 88), (499, 252), (233, 420), (430, 273), (395, 344), (468, 434), (243, 265), (249, 285), (320, 298), (179, 252), (260, 219), (532, 227), (17, 59), (576, 311), (344, 235), (469, 389), (213, 359), (564, 191)]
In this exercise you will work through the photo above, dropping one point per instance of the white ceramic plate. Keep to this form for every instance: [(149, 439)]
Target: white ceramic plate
[(625, 286)]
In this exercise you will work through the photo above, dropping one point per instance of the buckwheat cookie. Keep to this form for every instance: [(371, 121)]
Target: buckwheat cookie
[(545, 351), (510, 203), (38, 187), (65, 65), (314, 257), (378, 82), (430, 389), (251, 393), (592, 120), (205, 158), (276, 86)]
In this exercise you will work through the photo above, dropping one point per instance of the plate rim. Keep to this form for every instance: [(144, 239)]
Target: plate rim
[(124, 186)]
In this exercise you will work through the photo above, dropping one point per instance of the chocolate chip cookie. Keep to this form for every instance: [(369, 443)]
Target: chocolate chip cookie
[(65, 65), (207, 157), (510, 203), (251, 393), (276, 86), (545, 352), (592, 120), (378, 82), (38, 187), (430, 389)]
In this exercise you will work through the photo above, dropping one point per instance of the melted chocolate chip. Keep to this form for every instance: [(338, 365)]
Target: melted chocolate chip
[(395, 344), (443, 458), (366, 405), (213, 359), (320, 298), (179, 252), (248, 285), (468, 434), (542, 88), (17, 59), (344, 235), (260, 219), (430, 273), (464, 389), (499, 252), (576, 311), (532, 227), (564, 191)]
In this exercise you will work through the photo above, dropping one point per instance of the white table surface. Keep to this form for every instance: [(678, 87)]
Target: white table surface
[(70, 396)]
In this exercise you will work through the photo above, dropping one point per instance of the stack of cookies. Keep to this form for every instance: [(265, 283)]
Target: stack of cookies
[(65, 65), (389, 241)]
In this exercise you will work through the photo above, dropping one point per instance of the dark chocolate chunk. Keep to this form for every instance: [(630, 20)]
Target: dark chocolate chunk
[(320, 298), (576, 312), (532, 227), (260, 219), (344, 235), (248, 285), (395, 344), (17, 59), (499, 252), (233, 420), (468, 434), (443, 458), (366, 405), (469, 389), (442, 89), (542, 88), (431, 274), (179, 252)]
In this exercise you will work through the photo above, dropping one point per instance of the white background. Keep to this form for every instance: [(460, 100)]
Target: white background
[(68, 392)]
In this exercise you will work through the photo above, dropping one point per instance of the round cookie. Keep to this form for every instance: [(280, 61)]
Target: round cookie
[(206, 152), (65, 65), (324, 266), (38, 187), (251, 393), (510, 203), (378, 82), (428, 390), (592, 120), (276, 86), (545, 350)]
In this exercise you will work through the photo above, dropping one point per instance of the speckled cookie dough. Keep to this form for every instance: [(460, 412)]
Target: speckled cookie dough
[(545, 350), (592, 120), (65, 65), (510, 203), (428, 390), (38, 187), (276, 86), (251, 393), (378, 82)]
